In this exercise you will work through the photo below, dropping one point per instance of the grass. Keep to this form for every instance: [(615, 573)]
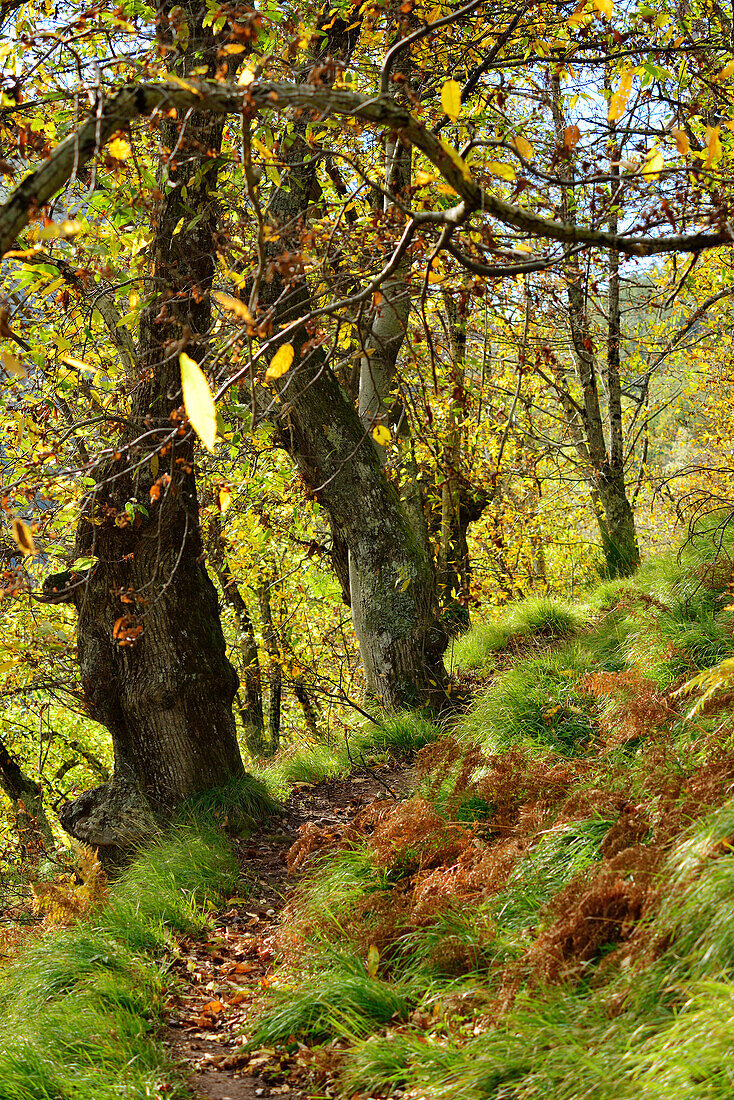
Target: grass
[(342, 1002), (646, 1007), (536, 617), (538, 703), (395, 737), (80, 1007)]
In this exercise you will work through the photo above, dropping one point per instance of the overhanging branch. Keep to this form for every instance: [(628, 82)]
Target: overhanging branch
[(144, 99)]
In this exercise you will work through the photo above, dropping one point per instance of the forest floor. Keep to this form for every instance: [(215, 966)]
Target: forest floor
[(223, 972)]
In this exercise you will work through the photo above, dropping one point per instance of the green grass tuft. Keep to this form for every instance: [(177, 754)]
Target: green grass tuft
[(333, 1003), (539, 703), (80, 1006), (535, 617)]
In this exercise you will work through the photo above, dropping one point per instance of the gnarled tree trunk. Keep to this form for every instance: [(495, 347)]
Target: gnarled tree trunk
[(151, 648)]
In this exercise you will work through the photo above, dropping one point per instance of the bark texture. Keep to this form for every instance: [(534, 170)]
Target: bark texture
[(151, 648), (26, 795), (391, 580)]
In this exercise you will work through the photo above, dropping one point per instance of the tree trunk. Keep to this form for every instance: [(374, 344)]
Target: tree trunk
[(612, 508), (32, 825), (310, 713), (151, 648), (251, 711), (275, 669), (392, 586), (453, 553)]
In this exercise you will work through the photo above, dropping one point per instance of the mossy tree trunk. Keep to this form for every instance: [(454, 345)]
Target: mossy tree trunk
[(151, 648), (391, 577)]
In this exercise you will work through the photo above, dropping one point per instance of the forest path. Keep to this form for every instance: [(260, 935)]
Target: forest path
[(223, 972)]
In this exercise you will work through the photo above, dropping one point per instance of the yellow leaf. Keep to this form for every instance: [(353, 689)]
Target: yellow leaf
[(618, 102), (423, 178), (605, 7), (75, 364), (13, 365), (198, 401), (727, 72), (246, 77), (451, 99), (174, 79), (653, 165), (64, 229), (504, 171), (234, 305), (682, 143), (381, 435), (120, 149), (281, 362), (225, 498), (523, 147), (714, 152), (571, 136), (234, 47), (23, 538), (458, 161), (373, 960)]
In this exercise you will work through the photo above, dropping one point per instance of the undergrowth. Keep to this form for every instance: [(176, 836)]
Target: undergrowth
[(81, 1005), (548, 914), (395, 737)]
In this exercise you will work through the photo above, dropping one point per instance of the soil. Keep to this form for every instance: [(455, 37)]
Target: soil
[(224, 972)]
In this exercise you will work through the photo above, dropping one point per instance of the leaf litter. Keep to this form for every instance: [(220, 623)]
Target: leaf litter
[(222, 974)]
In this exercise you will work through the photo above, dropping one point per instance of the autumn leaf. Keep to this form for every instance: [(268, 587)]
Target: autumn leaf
[(523, 147), (618, 102), (727, 72), (75, 364), (198, 401), (457, 160), (120, 149), (281, 362), (13, 364), (225, 498), (504, 171), (571, 136), (64, 229), (423, 178), (234, 305), (714, 152), (23, 538), (682, 143), (451, 99), (373, 960), (381, 435), (653, 165), (604, 7)]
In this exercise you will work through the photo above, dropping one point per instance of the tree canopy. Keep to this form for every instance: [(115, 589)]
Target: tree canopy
[(320, 322)]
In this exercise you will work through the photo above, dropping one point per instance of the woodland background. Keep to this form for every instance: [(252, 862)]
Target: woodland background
[(379, 354)]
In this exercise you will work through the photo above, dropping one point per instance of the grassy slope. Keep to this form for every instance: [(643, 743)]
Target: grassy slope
[(551, 915), (81, 1006)]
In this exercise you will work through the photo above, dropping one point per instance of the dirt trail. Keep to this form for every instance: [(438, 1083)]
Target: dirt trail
[(227, 970)]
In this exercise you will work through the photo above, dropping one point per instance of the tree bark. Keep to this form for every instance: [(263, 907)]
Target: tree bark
[(251, 711), (152, 652), (32, 824), (271, 640), (392, 586), (612, 508)]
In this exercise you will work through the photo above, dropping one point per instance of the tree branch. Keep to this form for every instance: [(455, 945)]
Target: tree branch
[(143, 99)]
